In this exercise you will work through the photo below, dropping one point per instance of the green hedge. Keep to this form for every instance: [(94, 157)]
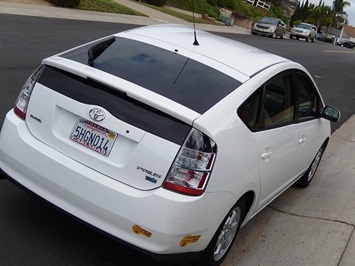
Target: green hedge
[(65, 3)]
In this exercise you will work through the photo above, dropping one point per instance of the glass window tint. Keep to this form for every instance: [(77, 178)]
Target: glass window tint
[(250, 109), (176, 77), (307, 97), (278, 101)]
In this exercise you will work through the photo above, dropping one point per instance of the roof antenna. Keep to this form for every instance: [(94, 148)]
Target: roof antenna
[(193, 18)]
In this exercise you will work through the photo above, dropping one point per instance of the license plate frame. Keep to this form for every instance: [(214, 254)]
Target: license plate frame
[(93, 136)]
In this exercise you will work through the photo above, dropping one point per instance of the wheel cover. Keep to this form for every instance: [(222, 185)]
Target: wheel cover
[(315, 164), (227, 233)]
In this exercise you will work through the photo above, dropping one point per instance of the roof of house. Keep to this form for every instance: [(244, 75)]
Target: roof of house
[(350, 30)]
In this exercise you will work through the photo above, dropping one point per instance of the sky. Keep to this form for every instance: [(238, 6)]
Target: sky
[(349, 10)]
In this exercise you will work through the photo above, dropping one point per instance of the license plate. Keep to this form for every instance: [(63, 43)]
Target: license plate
[(93, 136)]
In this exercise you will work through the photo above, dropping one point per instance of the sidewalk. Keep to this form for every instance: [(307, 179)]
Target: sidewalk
[(153, 16)]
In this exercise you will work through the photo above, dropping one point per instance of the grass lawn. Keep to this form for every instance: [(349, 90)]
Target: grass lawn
[(107, 6), (186, 17)]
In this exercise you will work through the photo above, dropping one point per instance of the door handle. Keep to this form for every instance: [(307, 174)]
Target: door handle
[(302, 140), (266, 154)]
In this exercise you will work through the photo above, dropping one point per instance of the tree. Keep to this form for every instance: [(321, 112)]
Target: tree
[(320, 16), (296, 15), (339, 15)]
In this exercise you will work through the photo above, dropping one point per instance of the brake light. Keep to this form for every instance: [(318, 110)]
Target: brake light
[(192, 167), (23, 99)]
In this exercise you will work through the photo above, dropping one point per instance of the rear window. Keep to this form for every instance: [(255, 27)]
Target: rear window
[(167, 73)]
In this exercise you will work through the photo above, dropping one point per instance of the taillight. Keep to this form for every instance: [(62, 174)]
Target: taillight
[(192, 166), (23, 99)]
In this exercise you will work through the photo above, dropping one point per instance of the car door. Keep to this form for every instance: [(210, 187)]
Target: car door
[(280, 28), (277, 138), (313, 32)]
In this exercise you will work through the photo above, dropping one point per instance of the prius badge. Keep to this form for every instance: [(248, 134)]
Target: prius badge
[(97, 114)]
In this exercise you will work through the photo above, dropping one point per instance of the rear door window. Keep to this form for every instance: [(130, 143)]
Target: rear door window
[(272, 105)]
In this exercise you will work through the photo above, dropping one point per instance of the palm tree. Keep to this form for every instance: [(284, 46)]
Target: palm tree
[(339, 13), (320, 16)]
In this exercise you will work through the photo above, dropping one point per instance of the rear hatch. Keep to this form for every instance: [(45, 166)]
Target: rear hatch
[(121, 116)]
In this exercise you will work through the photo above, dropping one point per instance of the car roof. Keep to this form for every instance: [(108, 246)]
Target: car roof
[(212, 49), (271, 18), (305, 24)]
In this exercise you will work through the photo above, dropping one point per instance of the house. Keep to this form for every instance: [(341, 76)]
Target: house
[(347, 33)]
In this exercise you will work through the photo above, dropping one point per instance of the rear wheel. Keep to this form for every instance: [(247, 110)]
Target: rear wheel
[(306, 179), (224, 237)]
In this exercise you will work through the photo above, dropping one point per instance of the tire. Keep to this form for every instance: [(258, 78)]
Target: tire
[(307, 177), (291, 36), (307, 39), (224, 237)]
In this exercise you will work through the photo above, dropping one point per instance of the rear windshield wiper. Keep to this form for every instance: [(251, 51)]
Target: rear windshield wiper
[(96, 50)]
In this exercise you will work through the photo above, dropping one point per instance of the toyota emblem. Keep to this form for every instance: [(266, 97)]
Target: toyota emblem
[(97, 114)]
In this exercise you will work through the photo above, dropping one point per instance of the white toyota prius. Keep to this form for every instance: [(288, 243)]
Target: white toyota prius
[(168, 143)]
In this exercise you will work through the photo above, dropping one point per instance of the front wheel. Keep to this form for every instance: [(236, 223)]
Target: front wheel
[(224, 237), (307, 177)]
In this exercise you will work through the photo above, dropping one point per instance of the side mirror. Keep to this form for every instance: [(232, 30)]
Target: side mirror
[(331, 114)]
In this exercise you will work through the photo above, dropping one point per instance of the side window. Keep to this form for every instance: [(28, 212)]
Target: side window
[(271, 105), (278, 101), (250, 109), (308, 99)]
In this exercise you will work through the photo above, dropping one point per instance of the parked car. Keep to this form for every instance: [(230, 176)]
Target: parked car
[(321, 37), (162, 142), (348, 44), (304, 31), (268, 26)]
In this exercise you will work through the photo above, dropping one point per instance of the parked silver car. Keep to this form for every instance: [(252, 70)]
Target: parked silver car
[(271, 27), (304, 31)]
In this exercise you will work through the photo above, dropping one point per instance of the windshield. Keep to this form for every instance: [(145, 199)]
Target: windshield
[(272, 21), (304, 26)]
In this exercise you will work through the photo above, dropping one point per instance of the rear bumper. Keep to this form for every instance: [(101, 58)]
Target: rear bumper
[(167, 259), (110, 206)]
